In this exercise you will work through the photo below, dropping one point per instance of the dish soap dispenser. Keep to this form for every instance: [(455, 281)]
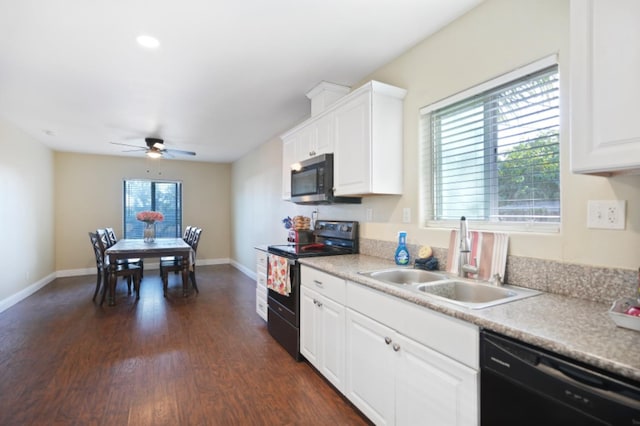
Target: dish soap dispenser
[(402, 254)]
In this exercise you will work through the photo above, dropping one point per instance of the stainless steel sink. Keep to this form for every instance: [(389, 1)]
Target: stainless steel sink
[(475, 295), (448, 288), (405, 276)]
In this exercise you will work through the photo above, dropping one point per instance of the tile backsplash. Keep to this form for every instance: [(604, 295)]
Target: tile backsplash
[(600, 284)]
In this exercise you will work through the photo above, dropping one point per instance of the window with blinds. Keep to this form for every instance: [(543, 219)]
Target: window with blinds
[(493, 155), (161, 196)]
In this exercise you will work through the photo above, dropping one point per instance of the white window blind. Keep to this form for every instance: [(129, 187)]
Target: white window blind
[(493, 156), (162, 196)]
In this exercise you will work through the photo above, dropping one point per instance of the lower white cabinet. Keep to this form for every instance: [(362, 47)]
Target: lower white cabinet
[(397, 362), (261, 283), (408, 365), (322, 324)]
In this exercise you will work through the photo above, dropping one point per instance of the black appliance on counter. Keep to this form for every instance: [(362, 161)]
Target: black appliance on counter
[(331, 238), (524, 385)]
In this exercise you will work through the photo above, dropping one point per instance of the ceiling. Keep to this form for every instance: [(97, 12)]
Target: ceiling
[(227, 76)]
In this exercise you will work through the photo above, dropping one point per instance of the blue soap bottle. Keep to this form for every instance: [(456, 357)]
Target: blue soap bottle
[(402, 253)]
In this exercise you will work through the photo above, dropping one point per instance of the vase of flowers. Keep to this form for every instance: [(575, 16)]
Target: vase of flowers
[(149, 218)]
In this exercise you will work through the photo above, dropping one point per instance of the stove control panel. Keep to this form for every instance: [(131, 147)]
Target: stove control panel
[(347, 230)]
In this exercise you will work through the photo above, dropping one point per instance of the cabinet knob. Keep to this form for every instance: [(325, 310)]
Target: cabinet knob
[(319, 304), (396, 347), (387, 340)]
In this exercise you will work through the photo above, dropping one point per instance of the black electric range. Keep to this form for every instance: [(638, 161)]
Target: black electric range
[(331, 238)]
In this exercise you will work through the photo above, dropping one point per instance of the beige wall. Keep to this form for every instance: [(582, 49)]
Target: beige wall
[(88, 194), (492, 39), (26, 211)]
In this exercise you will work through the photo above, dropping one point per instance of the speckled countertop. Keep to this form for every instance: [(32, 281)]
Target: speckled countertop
[(576, 328)]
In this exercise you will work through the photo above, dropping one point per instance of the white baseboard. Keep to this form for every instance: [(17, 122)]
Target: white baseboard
[(26, 292), (248, 272)]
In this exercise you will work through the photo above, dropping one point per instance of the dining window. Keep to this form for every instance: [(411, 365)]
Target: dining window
[(162, 196), (492, 153)]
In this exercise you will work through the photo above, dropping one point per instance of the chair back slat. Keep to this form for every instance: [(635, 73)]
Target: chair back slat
[(111, 235), (93, 236), (196, 239), (103, 240), (187, 233)]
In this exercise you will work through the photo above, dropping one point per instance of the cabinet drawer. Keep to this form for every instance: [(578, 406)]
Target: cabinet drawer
[(450, 336), (261, 277), (261, 258), (325, 284), (261, 302)]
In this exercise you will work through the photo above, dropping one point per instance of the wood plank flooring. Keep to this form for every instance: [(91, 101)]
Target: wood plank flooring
[(203, 360)]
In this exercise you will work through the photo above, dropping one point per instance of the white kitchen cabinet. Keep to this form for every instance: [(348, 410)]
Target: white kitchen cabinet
[(364, 132), (288, 158), (312, 138), (370, 383), (261, 283), (322, 324), (368, 144), (605, 87), (432, 386), (406, 364)]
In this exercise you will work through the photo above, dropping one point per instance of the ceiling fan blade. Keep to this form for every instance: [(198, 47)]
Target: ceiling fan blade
[(179, 152), (139, 149), (126, 144)]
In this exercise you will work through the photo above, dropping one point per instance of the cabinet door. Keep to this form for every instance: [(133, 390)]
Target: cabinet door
[(605, 65), (432, 388), (332, 342), (370, 367), (288, 158), (309, 325), (324, 135), (352, 162)]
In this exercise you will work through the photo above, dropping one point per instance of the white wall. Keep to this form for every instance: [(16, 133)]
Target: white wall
[(26, 212), (494, 38)]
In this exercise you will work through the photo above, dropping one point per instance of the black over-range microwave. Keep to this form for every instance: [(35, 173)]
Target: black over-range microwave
[(312, 182)]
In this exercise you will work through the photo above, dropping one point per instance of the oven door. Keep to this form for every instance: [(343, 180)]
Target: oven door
[(287, 306)]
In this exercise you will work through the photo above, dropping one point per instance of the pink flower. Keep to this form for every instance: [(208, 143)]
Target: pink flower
[(150, 216)]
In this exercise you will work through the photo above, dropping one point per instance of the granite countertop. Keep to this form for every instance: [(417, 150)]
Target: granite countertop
[(576, 328)]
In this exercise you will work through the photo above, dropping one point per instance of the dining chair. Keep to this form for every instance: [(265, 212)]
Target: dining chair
[(93, 236), (111, 237), (185, 237), (176, 265), (126, 270)]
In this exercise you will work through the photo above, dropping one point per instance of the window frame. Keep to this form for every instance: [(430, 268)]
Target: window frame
[(426, 175), (179, 210)]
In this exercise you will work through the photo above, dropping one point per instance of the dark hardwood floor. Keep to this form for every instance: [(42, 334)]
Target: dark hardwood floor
[(203, 360)]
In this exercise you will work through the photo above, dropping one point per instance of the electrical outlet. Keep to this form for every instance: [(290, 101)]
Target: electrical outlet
[(406, 215), (606, 214), (369, 214)]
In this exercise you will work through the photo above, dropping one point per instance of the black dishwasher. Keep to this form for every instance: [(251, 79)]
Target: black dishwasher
[(525, 385)]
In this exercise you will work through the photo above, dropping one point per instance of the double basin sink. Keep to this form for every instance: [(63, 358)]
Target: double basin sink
[(467, 293)]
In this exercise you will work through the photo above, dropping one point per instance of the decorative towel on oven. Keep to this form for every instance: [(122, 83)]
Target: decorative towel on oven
[(278, 275)]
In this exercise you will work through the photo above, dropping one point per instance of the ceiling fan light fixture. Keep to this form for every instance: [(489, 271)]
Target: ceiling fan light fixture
[(154, 154), (148, 41)]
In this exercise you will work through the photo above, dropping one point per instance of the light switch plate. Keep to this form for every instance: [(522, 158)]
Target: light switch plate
[(406, 215)]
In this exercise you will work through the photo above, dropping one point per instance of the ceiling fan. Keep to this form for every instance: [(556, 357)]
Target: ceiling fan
[(155, 148)]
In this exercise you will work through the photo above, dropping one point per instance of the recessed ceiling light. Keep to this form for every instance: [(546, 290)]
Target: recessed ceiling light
[(148, 41)]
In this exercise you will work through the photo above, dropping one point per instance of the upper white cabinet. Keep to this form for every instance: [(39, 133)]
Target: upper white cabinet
[(368, 141), (364, 132), (308, 140), (605, 86)]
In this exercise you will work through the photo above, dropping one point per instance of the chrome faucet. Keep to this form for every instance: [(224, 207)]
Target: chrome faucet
[(464, 265)]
